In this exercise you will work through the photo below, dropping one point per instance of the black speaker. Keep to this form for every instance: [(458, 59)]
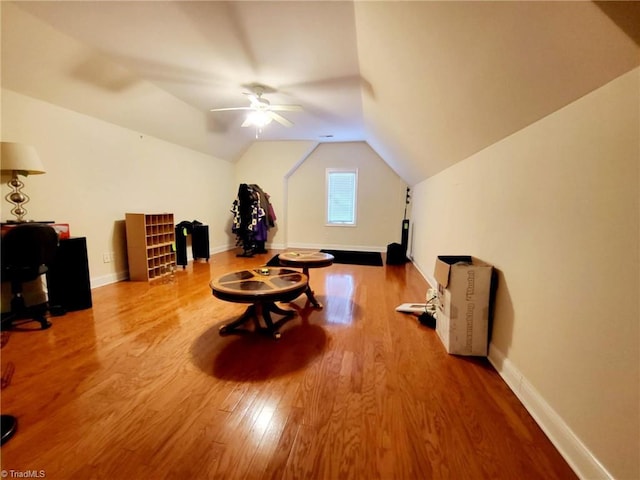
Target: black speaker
[(405, 235), (200, 241), (396, 254), (68, 281)]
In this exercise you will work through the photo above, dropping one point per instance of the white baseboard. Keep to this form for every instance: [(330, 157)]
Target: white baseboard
[(226, 248), (573, 450), (353, 248), (223, 248), (429, 278), (577, 455), (103, 280), (108, 279)]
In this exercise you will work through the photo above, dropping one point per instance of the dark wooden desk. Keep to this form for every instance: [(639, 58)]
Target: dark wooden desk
[(261, 287), (307, 260)]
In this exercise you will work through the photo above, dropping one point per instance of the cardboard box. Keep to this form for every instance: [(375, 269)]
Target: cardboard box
[(464, 290)]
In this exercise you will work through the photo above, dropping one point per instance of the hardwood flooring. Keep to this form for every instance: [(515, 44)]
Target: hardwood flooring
[(142, 386)]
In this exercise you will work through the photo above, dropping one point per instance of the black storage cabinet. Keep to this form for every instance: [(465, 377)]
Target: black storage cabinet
[(199, 243), (181, 246), (68, 281)]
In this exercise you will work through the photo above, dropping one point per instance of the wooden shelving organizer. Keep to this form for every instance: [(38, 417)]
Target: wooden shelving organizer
[(150, 245)]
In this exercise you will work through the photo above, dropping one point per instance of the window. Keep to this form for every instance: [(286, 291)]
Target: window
[(341, 196)]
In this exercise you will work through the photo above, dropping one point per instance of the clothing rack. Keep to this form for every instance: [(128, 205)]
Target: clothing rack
[(253, 216)]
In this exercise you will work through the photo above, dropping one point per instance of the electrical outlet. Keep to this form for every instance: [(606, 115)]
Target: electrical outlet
[(107, 257)]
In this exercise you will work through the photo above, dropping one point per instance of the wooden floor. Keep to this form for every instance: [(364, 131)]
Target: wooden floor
[(142, 386)]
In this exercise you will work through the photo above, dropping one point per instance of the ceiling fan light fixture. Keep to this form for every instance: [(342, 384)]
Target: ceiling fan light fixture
[(259, 118), (260, 112)]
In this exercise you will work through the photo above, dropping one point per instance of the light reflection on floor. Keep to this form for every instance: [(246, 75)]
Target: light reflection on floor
[(339, 293), (264, 419)]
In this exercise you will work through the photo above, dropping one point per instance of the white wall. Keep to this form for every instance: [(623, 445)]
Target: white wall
[(380, 201), (555, 207), (97, 171), (269, 165), (293, 173)]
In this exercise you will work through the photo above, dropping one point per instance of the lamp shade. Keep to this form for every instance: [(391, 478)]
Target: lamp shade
[(21, 158)]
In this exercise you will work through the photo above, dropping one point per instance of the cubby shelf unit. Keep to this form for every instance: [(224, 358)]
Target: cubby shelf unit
[(150, 245)]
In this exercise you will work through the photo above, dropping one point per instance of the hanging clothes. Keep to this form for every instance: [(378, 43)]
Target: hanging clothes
[(252, 219), (265, 204)]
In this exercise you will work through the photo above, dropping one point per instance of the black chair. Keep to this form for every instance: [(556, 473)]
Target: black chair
[(27, 250)]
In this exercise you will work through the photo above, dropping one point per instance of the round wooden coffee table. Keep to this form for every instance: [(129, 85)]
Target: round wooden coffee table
[(261, 287), (307, 260)]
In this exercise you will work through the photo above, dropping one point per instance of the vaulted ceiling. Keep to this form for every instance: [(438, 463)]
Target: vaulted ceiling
[(426, 84)]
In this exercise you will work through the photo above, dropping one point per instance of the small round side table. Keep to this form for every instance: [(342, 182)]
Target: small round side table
[(307, 260)]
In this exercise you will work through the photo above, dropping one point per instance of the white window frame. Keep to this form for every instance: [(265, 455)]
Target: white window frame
[(328, 221)]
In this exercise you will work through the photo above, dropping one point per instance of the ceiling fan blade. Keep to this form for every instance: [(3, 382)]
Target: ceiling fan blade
[(280, 119), (230, 109), (254, 99), (285, 108), (247, 122)]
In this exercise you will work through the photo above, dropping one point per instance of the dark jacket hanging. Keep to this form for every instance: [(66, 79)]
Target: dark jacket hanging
[(252, 217)]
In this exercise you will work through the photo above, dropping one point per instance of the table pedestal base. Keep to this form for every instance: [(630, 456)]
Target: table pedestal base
[(254, 312), (305, 261), (309, 293)]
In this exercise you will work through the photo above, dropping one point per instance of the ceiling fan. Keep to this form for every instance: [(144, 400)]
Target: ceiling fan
[(261, 112)]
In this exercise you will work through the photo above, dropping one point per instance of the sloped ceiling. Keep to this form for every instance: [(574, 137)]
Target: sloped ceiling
[(451, 78), (426, 84)]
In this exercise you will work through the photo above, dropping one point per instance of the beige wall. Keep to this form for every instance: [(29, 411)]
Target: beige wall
[(97, 171), (269, 165), (293, 173), (555, 207), (380, 201)]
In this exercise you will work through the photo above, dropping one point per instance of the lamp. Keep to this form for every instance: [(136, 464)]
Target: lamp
[(19, 159)]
